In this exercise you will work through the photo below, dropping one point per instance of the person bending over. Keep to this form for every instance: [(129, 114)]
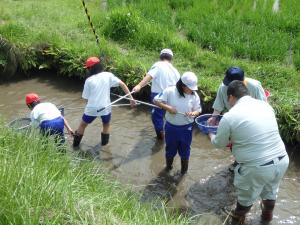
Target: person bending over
[(47, 117)]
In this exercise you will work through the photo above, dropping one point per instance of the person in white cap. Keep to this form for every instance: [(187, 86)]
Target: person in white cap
[(182, 104), (162, 74)]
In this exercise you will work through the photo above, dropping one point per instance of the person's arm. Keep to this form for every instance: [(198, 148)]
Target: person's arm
[(212, 121), (196, 110), (222, 138), (126, 90), (69, 129), (161, 101), (143, 83), (165, 106)]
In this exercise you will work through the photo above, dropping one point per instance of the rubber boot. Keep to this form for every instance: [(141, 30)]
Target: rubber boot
[(169, 164), (160, 135), (232, 166), (184, 166), (239, 214), (267, 207), (104, 139), (77, 139)]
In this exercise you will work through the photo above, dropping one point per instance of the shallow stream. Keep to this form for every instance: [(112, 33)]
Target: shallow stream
[(136, 159)]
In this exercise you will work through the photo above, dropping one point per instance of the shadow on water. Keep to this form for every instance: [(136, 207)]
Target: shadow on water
[(142, 147), (214, 194), (162, 188)]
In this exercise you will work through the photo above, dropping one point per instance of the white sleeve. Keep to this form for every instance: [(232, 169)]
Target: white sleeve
[(34, 120), (86, 90), (197, 103), (223, 134), (153, 71), (162, 97), (114, 81)]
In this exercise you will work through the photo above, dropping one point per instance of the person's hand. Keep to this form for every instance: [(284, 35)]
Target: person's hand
[(171, 110), (132, 103), (71, 132), (137, 88), (211, 136), (212, 121), (191, 114)]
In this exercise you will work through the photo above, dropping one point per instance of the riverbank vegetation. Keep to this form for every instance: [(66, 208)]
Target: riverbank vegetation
[(206, 36), (41, 185)]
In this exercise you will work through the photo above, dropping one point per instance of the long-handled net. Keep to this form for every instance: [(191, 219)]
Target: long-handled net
[(20, 124)]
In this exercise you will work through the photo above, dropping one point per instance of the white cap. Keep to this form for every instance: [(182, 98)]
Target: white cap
[(166, 51), (190, 80)]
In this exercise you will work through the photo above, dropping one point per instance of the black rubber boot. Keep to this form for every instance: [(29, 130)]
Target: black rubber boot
[(160, 135), (184, 166), (267, 207), (239, 214), (77, 139), (169, 164), (232, 166), (104, 139)]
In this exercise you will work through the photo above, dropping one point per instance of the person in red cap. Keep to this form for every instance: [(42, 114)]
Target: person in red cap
[(47, 117), (97, 93)]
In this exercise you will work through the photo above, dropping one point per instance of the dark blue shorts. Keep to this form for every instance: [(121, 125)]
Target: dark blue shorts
[(178, 139), (89, 119), (53, 127)]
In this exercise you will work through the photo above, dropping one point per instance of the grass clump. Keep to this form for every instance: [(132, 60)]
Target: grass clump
[(40, 185)]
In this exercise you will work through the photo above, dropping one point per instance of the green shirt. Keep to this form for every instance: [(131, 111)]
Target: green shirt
[(254, 87)]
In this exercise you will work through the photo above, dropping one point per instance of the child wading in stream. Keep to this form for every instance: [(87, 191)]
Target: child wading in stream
[(97, 93), (47, 117), (178, 127)]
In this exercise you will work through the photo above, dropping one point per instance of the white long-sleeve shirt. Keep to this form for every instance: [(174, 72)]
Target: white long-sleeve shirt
[(252, 128)]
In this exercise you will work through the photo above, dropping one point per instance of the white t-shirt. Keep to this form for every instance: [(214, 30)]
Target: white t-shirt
[(252, 128), (42, 112), (164, 75), (97, 91), (189, 103)]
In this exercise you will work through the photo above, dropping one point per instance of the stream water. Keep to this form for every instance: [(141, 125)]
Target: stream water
[(136, 159)]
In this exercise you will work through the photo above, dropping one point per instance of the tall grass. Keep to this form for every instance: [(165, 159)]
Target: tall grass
[(40, 185)]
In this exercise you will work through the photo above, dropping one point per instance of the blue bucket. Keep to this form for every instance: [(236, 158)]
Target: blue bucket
[(201, 122)]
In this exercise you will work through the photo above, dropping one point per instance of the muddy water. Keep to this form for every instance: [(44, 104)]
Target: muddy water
[(136, 159)]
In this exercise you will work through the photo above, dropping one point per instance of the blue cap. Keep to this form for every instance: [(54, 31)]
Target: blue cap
[(233, 73)]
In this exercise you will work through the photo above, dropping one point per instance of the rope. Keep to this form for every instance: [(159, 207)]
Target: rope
[(90, 22)]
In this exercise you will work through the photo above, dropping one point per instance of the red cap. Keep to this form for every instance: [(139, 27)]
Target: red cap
[(91, 61), (31, 97)]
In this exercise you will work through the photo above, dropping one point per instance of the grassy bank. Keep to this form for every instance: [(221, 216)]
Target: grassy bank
[(206, 37), (39, 185)]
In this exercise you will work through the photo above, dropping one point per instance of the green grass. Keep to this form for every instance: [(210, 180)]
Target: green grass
[(40, 185), (206, 36)]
